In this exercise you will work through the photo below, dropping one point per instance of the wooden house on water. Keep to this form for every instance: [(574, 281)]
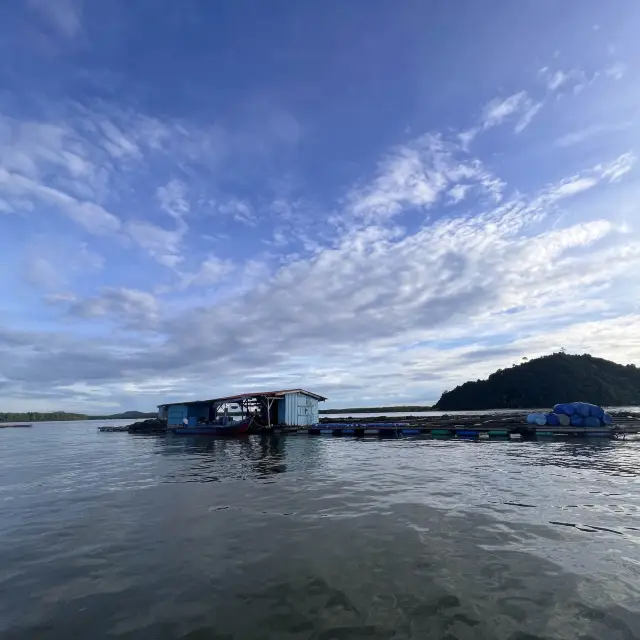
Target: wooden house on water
[(288, 407)]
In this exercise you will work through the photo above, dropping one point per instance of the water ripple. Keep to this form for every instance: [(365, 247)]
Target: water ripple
[(165, 537)]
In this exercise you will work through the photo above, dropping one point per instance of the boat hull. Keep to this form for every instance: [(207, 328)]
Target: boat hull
[(213, 430)]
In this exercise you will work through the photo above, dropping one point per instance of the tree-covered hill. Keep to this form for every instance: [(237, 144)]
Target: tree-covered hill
[(545, 381)]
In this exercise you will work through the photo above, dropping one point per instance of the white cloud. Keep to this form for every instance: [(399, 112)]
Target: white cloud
[(116, 143), (559, 79), (528, 116), (574, 186), (618, 168), (122, 304), (239, 210), (27, 146), (172, 198), (587, 133), (92, 217), (458, 192), (518, 104), (415, 176), (210, 272), (499, 109), (616, 71), (165, 245), (467, 136)]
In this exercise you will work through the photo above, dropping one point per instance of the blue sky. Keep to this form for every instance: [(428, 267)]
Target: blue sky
[(373, 200)]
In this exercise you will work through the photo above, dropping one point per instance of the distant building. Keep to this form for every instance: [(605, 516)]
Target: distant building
[(290, 407)]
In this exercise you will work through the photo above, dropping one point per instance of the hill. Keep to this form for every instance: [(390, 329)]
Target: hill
[(543, 382)]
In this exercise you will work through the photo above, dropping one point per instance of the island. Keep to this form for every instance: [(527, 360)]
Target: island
[(543, 382)]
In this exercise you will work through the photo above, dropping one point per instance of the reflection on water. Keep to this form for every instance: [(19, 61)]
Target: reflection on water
[(301, 537), (207, 459)]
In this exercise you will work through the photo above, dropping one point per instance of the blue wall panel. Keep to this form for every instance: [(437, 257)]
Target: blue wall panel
[(176, 414)]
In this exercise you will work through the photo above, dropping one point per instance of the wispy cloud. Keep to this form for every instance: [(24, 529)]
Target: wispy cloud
[(574, 186), (416, 175), (592, 131), (238, 209), (458, 192), (616, 169), (609, 172), (616, 71), (210, 272), (499, 109), (162, 244), (528, 116), (560, 79), (122, 304), (91, 216), (172, 198), (518, 105)]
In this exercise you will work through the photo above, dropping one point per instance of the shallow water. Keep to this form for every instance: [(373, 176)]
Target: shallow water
[(121, 536)]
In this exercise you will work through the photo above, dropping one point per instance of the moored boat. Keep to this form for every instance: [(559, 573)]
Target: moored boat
[(230, 429)]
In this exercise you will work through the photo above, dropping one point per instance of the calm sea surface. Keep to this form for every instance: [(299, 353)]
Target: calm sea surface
[(120, 536)]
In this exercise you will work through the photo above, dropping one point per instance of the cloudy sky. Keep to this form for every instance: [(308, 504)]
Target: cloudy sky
[(373, 200)]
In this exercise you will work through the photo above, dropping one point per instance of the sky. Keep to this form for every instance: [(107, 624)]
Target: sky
[(372, 200)]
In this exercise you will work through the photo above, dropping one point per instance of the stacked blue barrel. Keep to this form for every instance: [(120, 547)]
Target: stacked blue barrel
[(575, 414)]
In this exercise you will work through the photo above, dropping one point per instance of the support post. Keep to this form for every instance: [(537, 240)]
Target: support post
[(269, 403)]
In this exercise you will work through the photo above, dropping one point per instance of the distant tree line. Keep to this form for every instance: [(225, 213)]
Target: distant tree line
[(33, 416), (402, 408), (543, 382), (54, 416)]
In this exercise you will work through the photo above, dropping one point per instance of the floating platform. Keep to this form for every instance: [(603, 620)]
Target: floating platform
[(467, 431), (468, 427)]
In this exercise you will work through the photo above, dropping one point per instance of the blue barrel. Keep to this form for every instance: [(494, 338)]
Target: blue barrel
[(576, 420), (564, 409), (564, 420), (592, 422), (606, 418), (552, 420), (581, 408), (596, 411)]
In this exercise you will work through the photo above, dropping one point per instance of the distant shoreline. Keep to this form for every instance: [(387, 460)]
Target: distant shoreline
[(420, 409), (61, 416), (397, 409)]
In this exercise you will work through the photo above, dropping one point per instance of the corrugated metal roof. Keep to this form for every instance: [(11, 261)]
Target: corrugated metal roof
[(242, 396)]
